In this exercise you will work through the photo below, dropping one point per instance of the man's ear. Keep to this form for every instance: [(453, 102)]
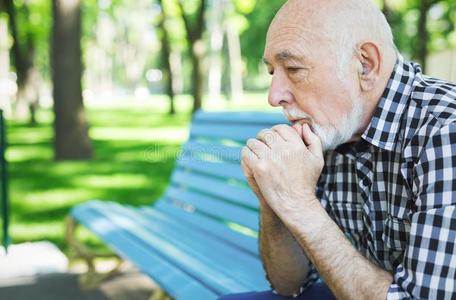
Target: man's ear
[(369, 63)]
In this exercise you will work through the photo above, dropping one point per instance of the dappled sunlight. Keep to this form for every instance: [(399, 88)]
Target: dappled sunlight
[(70, 168), (55, 197), (139, 134), (113, 181), (43, 190), (52, 230), (28, 136), (242, 229), (26, 153)]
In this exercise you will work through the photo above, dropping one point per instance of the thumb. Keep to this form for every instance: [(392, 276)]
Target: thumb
[(312, 141)]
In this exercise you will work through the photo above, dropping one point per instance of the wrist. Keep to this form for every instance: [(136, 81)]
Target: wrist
[(309, 220), (297, 207)]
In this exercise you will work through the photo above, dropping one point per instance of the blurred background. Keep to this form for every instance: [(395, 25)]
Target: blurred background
[(98, 94)]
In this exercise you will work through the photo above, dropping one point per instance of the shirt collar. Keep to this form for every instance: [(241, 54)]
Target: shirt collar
[(384, 127)]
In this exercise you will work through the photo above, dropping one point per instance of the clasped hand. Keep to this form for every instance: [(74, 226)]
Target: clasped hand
[(282, 166)]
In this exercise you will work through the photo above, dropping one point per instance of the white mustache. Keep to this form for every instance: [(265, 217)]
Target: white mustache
[(296, 114)]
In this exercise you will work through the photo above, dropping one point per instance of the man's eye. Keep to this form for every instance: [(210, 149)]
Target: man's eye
[(293, 70)]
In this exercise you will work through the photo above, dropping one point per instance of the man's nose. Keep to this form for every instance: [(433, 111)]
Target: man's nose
[(279, 92)]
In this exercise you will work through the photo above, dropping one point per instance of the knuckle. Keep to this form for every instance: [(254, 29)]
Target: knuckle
[(250, 142), (267, 135), (281, 127), (269, 138), (263, 132)]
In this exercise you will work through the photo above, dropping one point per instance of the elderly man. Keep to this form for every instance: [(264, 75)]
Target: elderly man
[(360, 191)]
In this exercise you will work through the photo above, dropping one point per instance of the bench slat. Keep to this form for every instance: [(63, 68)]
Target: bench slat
[(217, 188), (212, 260), (238, 133), (213, 169), (254, 117), (210, 151), (216, 209), (211, 226), (214, 253), (152, 264)]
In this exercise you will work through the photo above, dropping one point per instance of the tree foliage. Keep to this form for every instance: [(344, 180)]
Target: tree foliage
[(258, 20), (421, 27)]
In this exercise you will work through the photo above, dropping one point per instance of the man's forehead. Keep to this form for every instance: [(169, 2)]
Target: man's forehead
[(297, 42)]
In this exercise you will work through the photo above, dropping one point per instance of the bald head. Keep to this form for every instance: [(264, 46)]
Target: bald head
[(339, 25)]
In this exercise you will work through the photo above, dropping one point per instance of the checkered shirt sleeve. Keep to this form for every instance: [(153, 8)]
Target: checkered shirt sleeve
[(428, 270)]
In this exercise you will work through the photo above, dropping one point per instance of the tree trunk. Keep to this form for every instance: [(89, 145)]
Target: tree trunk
[(175, 59), (214, 80), (166, 57), (71, 139), (234, 51), (23, 57), (194, 34), (197, 86), (422, 35), (19, 58)]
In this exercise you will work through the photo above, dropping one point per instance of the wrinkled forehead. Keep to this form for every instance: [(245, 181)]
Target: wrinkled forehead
[(298, 28), (296, 40)]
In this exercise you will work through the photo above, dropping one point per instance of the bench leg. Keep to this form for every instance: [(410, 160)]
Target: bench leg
[(91, 279), (159, 294)]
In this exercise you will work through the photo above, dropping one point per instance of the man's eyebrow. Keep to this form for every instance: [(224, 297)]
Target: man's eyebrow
[(283, 56), (287, 55)]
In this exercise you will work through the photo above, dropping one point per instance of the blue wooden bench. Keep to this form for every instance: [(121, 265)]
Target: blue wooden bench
[(199, 240)]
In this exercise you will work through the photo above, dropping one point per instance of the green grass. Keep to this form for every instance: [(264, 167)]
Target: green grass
[(135, 146)]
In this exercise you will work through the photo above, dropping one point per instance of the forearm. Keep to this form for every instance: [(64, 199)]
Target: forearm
[(283, 258), (348, 274)]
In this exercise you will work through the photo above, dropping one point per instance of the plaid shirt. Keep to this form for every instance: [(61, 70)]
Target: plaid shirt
[(393, 193)]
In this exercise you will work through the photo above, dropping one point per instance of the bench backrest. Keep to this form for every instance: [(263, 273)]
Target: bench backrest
[(208, 186)]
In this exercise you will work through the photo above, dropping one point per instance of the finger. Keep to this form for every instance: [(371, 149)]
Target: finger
[(287, 132), (257, 147), (312, 141), (246, 170), (268, 136), (252, 182), (248, 157)]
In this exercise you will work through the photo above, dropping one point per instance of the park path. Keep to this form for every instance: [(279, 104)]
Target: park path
[(128, 284)]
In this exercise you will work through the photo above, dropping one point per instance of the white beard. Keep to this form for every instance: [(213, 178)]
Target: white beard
[(332, 136)]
